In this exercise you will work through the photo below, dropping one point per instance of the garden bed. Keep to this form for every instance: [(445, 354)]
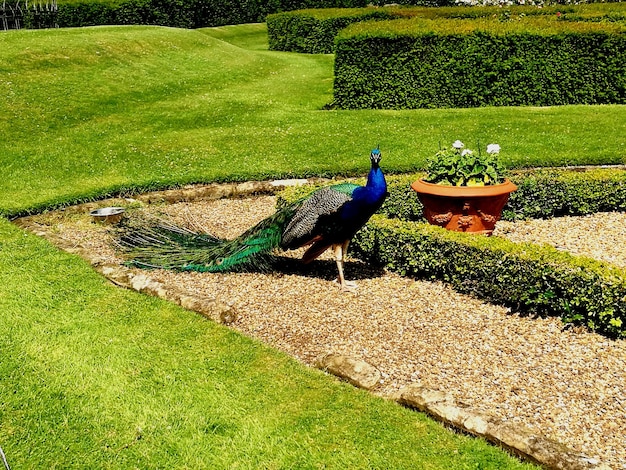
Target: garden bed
[(563, 383)]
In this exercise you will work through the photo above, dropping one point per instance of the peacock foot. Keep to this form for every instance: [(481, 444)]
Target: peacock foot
[(346, 286)]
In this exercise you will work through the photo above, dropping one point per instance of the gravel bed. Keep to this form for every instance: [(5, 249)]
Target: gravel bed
[(600, 236), (566, 384)]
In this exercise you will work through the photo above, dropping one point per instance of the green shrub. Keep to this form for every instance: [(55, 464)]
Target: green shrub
[(459, 166), (314, 31), (555, 193), (528, 278), (86, 14), (182, 13), (535, 280), (451, 61), (470, 67)]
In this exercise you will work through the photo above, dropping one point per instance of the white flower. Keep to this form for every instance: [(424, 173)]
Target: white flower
[(493, 148), (466, 152), (458, 144)]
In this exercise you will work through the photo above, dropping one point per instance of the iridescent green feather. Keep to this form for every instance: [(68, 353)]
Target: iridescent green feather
[(169, 247), (346, 188)]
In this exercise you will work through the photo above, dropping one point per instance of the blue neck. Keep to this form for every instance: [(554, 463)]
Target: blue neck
[(376, 183), (375, 191)]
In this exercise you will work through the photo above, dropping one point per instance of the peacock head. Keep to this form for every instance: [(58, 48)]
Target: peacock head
[(375, 157)]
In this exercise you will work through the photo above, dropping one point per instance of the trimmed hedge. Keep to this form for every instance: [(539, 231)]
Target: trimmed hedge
[(314, 31), (422, 63), (465, 56), (536, 280), (544, 194), (528, 278), (182, 13)]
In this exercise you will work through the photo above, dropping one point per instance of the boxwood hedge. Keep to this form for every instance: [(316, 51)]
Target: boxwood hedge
[(417, 57), (423, 63), (528, 278), (532, 279), (541, 194), (314, 31)]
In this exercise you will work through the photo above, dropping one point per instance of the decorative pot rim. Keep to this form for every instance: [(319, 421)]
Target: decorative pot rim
[(421, 186)]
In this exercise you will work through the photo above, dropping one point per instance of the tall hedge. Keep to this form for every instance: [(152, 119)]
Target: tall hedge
[(313, 31), (183, 13), (464, 65)]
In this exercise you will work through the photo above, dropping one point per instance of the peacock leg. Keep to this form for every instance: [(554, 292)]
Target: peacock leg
[(340, 251)]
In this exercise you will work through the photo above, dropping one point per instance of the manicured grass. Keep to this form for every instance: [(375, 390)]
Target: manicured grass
[(92, 376), (93, 110)]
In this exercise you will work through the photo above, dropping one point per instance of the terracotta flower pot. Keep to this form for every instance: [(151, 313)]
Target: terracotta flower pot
[(473, 209)]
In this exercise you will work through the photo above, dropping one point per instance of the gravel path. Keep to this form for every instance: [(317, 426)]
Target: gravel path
[(600, 236), (566, 384)]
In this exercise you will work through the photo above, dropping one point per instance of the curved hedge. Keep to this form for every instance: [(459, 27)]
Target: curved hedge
[(314, 31), (532, 279), (528, 278)]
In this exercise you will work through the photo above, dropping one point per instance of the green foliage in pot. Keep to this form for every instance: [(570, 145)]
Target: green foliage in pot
[(460, 166)]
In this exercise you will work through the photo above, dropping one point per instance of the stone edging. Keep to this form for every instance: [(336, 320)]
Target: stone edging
[(122, 276), (514, 437), (222, 190), (140, 282)]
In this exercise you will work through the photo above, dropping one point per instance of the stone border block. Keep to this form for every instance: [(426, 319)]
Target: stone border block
[(514, 437), (357, 372)]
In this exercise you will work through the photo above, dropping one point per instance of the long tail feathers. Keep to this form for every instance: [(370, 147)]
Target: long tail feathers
[(163, 245)]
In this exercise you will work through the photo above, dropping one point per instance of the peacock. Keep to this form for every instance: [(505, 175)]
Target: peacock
[(328, 217)]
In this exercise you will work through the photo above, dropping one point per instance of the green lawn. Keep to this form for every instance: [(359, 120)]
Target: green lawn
[(92, 376), (92, 110)]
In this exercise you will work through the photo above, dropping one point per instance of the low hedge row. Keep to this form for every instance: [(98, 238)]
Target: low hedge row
[(528, 278), (420, 63), (554, 193), (532, 279)]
